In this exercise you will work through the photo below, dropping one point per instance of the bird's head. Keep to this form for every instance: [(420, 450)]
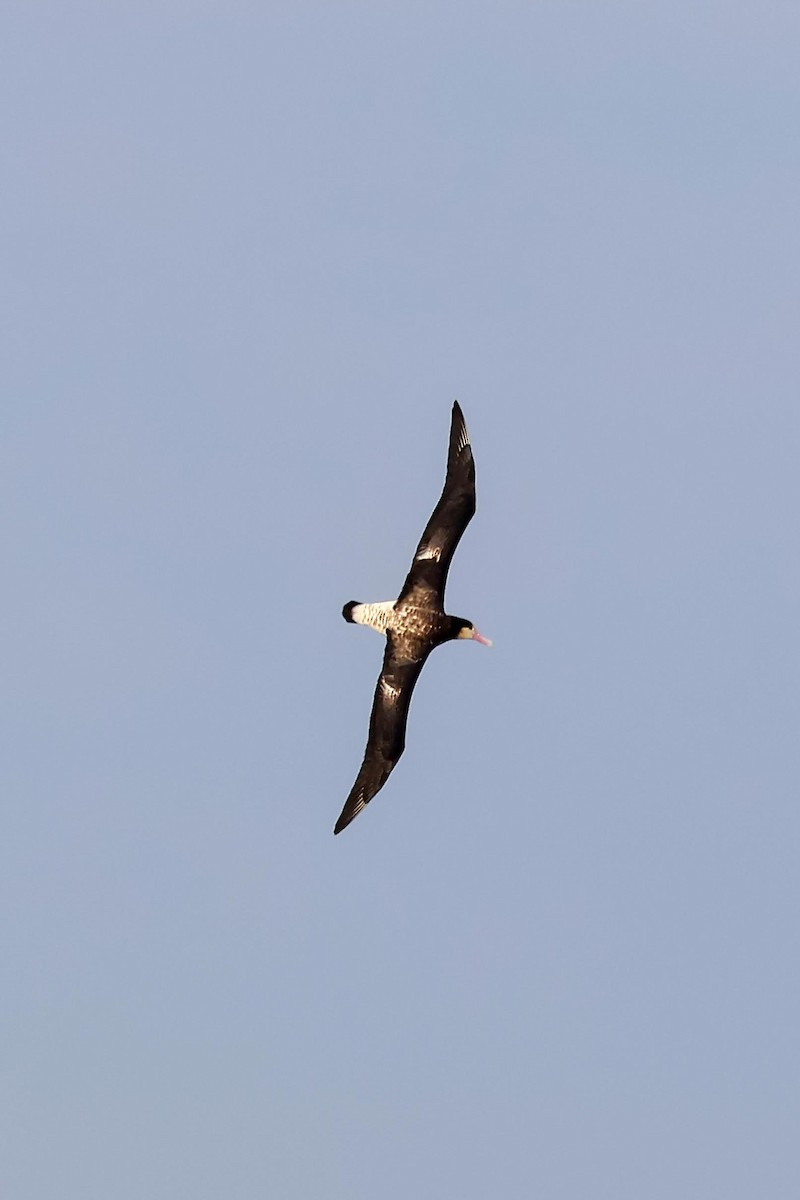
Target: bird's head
[(465, 629)]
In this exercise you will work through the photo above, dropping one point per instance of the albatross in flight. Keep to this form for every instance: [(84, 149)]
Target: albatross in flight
[(415, 623)]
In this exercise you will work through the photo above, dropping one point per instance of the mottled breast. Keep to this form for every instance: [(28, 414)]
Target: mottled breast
[(417, 630)]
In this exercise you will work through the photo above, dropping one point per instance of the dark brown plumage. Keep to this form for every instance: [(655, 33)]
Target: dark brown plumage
[(415, 623)]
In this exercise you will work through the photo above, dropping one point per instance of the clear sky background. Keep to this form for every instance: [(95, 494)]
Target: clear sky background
[(251, 254)]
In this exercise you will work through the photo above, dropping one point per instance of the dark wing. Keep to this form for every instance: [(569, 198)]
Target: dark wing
[(387, 730), (448, 521)]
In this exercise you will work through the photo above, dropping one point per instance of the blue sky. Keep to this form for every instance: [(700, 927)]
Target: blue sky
[(251, 255)]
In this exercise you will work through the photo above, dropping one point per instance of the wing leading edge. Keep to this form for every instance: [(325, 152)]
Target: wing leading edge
[(448, 520), (387, 731)]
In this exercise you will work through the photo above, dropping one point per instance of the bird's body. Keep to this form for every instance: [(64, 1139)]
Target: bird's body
[(415, 623)]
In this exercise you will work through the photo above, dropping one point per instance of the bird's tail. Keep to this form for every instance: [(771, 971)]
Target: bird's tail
[(374, 615)]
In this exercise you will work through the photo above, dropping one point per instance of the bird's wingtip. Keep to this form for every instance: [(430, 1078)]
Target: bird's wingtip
[(342, 823), (459, 434), (349, 813)]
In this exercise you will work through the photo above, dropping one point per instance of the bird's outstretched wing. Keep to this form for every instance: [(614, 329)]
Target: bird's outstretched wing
[(428, 575), (387, 730)]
